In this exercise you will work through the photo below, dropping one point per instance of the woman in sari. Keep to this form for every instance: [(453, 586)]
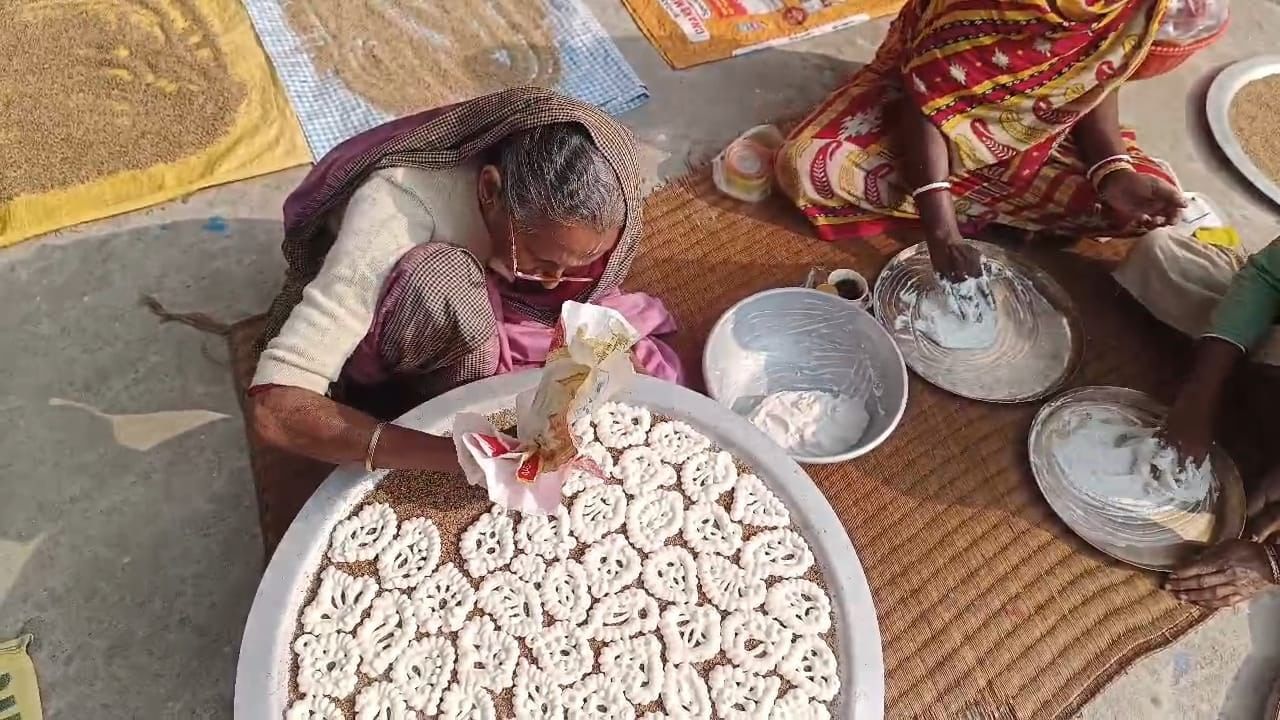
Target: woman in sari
[(437, 250), (984, 112)]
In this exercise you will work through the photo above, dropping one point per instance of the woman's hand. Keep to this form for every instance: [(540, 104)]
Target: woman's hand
[(1264, 508), (1189, 427), (1140, 201), (955, 260), (1224, 575)]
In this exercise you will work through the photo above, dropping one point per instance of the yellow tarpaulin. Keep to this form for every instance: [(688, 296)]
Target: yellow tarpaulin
[(19, 696), (691, 32), (263, 137)]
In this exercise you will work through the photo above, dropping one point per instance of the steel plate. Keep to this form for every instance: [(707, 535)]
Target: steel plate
[(1039, 340), (1162, 549), (1218, 108), (262, 676)]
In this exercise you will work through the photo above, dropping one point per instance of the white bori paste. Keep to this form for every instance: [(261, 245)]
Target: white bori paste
[(812, 422), (1119, 465), (955, 316), (671, 588)]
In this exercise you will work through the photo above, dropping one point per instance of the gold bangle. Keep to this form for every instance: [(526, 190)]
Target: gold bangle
[(373, 446)]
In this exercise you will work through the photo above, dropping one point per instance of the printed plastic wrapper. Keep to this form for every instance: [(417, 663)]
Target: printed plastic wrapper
[(589, 362), (1187, 21), (19, 695)]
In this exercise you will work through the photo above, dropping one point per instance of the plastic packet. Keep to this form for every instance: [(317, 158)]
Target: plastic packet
[(1186, 21), (589, 362)]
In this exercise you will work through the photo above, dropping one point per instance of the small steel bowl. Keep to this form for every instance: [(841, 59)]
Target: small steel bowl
[(800, 339)]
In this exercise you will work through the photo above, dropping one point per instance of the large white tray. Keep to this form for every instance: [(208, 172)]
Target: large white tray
[(262, 677), (1218, 105)]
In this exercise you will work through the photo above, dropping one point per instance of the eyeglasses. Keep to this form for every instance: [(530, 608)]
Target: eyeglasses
[(515, 271)]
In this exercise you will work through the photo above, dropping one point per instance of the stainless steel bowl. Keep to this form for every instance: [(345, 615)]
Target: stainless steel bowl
[(799, 339)]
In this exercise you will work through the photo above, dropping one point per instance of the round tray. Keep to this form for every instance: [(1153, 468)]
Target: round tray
[(1229, 511), (1218, 106), (262, 676), (1039, 340)]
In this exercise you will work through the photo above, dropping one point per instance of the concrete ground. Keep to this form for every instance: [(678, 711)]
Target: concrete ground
[(128, 541)]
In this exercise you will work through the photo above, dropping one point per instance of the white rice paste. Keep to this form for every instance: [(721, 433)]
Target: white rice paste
[(801, 605), (513, 603), (622, 426), (653, 517), (684, 693), (676, 442), (363, 535), (327, 664), (642, 470), (956, 316), (340, 602), (728, 585), (467, 701), (486, 655), (547, 536), (385, 634), (708, 529), (754, 642), (563, 652), (796, 705), (812, 422), (581, 478), (488, 544), (623, 615), (422, 672), (636, 663), (781, 552), (690, 632), (382, 701), (1112, 458), (671, 575), (811, 667), (412, 556), (742, 695), (529, 568), (705, 476), (443, 601), (597, 697), (314, 707), (537, 696), (565, 594), (611, 564), (755, 504), (598, 511)]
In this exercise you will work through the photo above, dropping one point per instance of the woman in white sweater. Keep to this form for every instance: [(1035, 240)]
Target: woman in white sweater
[(437, 250)]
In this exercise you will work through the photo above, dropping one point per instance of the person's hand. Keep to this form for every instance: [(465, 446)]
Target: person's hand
[(1189, 428), (1224, 575), (1140, 201), (955, 260), (1264, 508)]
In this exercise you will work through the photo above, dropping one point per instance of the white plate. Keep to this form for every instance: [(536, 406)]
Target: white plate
[(1218, 105), (262, 675)]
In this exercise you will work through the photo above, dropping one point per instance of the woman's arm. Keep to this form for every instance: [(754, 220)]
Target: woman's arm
[(313, 425), (1135, 199), (928, 160)]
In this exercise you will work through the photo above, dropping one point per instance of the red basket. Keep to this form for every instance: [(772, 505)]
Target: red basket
[(1165, 57)]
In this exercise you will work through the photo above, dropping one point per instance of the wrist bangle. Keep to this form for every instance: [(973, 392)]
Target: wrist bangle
[(940, 185), (1273, 561), (373, 446), (1097, 178), (1123, 158)]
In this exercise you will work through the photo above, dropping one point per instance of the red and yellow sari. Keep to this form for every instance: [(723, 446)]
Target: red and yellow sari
[(1005, 81)]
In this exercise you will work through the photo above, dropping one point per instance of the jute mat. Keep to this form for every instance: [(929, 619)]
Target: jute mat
[(989, 607)]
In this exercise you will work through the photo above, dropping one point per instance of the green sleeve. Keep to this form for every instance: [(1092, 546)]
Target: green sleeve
[(1252, 303)]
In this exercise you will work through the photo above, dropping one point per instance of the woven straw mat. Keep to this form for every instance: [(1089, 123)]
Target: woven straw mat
[(989, 607)]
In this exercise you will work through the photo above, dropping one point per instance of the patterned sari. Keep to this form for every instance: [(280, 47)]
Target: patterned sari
[(1005, 81)]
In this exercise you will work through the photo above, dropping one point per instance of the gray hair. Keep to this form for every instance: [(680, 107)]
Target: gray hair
[(555, 173)]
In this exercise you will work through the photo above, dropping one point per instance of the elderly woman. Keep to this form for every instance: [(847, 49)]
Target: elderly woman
[(437, 250), (980, 112)]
